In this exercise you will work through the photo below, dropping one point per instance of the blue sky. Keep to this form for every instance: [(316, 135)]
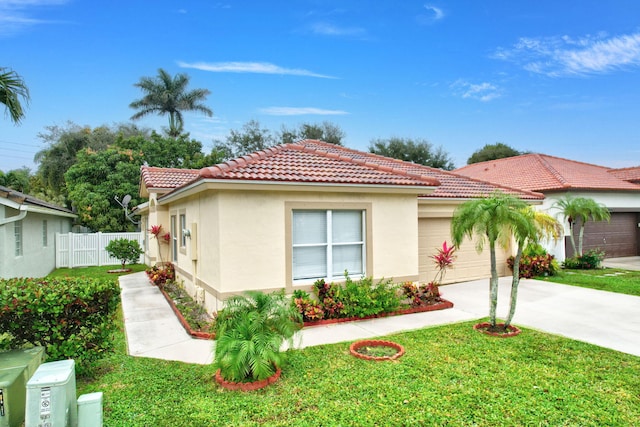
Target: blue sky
[(555, 77)]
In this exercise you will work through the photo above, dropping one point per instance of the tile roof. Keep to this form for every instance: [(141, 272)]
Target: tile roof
[(311, 161), (540, 172), (166, 178), (628, 174), (315, 163), (451, 185)]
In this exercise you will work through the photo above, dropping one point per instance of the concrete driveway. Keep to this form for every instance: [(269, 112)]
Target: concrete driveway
[(626, 263), (602, 318)]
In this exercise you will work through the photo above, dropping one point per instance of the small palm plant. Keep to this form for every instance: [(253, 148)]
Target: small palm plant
[(250, 332)]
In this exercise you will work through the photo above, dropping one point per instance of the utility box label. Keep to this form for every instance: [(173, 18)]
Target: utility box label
[(45, 404)]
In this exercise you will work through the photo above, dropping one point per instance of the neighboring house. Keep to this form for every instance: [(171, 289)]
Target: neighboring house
[(28, 227), (617, 189), (291, 214)]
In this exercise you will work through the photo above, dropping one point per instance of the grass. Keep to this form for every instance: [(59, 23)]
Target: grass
[(450, 375), (607, 279), (96, 272)]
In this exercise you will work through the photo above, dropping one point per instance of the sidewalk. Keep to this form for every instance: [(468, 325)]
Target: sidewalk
[(602, 318)]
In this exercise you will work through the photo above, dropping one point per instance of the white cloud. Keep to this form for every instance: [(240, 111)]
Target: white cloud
[(300, 111), (432, 15), (15, 15), (565, 56), (481, 91), (250, 67), (327, 29)]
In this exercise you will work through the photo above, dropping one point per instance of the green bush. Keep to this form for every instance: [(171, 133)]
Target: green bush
[(362, 298), (70, 317), (590, 260), (127, 251)]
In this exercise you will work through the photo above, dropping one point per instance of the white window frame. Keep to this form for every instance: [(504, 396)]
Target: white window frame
[(18, 235), (329, 245), (174, 239), (183, 227)]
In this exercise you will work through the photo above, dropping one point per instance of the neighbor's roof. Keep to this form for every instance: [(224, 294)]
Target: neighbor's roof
[(628, 174), (24, 199), (540, 172)]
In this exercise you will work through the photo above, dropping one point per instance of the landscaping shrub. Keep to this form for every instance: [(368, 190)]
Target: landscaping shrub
[(127, 251), (535, 262), (73, 318), (590, 260), (425, 294), (159, 275)]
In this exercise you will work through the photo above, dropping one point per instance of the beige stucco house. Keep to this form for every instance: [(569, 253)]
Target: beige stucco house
[(289, 215)]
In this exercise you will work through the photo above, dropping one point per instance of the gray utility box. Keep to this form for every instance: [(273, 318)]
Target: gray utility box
[(51, 396), (16, 367)]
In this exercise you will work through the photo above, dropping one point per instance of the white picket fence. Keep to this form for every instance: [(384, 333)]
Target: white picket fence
[(87, 249)]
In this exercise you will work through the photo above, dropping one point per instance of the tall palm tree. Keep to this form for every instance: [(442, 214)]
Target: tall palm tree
[(579, 210), (489, 219), (165, 94), (12, 88)]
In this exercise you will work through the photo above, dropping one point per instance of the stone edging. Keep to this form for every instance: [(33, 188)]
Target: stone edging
[(353, 349), (195, 334), (255, 385), (480, 327)]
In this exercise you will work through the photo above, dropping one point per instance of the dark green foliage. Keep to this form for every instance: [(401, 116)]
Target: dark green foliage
[(250, 331), (159, 275), (70, 317), (493, 152), (589, 260), (535, 262), (418, 151), (326, 131), (363, 298), (12, 89), (127, 251)]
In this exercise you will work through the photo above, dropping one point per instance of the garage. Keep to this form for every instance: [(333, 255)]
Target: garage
[(618, 237)]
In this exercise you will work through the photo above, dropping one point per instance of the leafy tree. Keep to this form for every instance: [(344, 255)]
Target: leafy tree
[(96, 178), (252, 137), (12, 89), (325, 131), (165, 94), (17, 179), (495, 151), (127, 251), (64, 143), (418, 151), (577, 211), (491, 220), (168, 152)]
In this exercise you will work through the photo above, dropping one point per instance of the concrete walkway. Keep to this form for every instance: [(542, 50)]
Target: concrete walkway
[(601, 318)]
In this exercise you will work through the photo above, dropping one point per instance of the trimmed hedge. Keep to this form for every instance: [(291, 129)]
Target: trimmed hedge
[(70, 317)]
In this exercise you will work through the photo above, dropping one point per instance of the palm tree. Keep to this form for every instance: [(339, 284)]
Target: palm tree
[(489, 219), (579, 210), (531, 225), (168, 95), (12, 88)]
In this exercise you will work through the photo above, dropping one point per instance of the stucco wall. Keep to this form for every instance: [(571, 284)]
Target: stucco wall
[(36, 260), (242, 238)]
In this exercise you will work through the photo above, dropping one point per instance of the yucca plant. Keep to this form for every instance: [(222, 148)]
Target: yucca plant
[(250, 331)]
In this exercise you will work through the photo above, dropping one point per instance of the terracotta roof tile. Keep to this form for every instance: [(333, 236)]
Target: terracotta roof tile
[(317, 163), (628, 174), (167, 178), (451, 185), (540, 172)]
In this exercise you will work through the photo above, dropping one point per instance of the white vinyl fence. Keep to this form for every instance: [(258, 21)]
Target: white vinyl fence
[(87, 249)]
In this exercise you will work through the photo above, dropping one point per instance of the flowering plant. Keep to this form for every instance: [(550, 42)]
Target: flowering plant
[(429, 293)]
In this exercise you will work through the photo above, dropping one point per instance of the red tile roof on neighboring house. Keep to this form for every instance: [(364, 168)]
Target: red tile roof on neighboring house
[(540, 172), (167, 178), (628, 174), (311, 161)]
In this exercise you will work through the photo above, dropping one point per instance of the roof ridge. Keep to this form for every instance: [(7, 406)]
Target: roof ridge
[(248, 159), (557, 175), (375, 166)]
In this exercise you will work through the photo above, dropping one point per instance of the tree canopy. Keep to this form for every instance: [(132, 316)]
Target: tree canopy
[(495, 151), (325, 131), (167, 95), (13, 94), (418, 151)]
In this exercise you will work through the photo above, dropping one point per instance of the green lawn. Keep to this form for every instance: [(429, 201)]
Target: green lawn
[(450, 375), (96, 272), (608, 279)]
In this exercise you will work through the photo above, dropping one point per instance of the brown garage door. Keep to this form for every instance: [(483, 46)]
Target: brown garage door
[(618, 238)]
